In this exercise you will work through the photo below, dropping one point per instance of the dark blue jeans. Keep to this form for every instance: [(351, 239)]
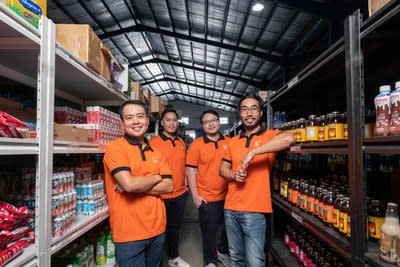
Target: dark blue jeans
[(143, 253), (175, 208), (211, 216)]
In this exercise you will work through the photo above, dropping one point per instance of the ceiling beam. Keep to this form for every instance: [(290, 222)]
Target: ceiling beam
[(278, 60), (319, 10), (172, 92), (187, 66), (194, 85)]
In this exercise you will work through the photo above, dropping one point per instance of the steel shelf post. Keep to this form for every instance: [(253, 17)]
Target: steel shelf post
[(45, 128), (355, 104)]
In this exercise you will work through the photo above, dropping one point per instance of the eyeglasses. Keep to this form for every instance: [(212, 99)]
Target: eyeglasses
[(210, 121), (253, 109)]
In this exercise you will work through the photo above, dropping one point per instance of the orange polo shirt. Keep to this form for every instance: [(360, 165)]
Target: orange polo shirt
[(174, 150), (134, 216), (252, 195), (206, 155)]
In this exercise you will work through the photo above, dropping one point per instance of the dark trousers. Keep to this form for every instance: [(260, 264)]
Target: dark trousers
[(175, 208), (142, 253), (211, 216)]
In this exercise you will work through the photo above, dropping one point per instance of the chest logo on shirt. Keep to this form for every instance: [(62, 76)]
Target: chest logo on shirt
[(155, 159), (257, 143), (182, 147), (225, 147)]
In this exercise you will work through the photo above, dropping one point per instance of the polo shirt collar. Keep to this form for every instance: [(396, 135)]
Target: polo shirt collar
[(165, 138), (248, 138), (133, 141), (207, 140)]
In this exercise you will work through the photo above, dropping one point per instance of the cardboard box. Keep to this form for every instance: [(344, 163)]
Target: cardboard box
[(180, 113), (375, 5), (136, 92), (155, 106), (63, 132), (105, 63), (17, 110), (32, 11), (263, 95), (81, 41), (146, 94)]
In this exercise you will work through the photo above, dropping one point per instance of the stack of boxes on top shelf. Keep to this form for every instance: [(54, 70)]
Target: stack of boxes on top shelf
[(155, 103)]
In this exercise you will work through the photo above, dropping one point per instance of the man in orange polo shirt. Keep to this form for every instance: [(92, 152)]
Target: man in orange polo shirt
[(174, 150), (137, 213), (207, 187), (247, 166)]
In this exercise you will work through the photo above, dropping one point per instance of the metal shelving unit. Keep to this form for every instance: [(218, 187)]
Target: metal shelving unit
[(82, 225), (328, 234), (363, 53), (33, 57), (282, 255)]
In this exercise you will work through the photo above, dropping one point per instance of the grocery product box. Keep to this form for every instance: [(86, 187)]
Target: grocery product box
[(136, 92), (146, 94), (64, 132), (263, 95), (105, 63), (375, 5), (18, 110), (81, 41), (31, 10)]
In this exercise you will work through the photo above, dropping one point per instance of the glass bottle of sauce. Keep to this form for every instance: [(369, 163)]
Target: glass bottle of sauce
[(316, 201), (348, 234), (311, 199), (321, 204), (301, 130), (345, 126), (303, 196), (290, 190), (321, 128), (376, 217), (328, 118), (390, 230), (344, 209), (328, 208), (336, 126), (295, 193), (312, 129), (336, 209)]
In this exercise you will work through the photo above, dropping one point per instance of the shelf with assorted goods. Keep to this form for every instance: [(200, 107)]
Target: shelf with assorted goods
[(39, 131), (361, 77)]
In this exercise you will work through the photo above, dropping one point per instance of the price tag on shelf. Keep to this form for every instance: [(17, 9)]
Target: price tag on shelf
[(297, 217), (292, 82), (295, 148)]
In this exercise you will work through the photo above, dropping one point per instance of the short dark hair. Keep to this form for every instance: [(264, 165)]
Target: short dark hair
[(208, 111), (133, 102), (253, 96), (169, 110)]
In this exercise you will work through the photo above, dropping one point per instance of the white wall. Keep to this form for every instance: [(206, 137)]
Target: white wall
[(193, 111)]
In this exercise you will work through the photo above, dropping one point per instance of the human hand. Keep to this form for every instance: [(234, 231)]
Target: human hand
[(118, 188), (246, 159), (197, 201), (240, 175)]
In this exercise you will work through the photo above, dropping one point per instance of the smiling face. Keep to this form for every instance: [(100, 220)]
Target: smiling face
[(135, 120), (250, 113), (210, 124), (170, 123)]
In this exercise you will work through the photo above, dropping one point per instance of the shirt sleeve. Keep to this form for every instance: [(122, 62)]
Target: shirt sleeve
[(228, 157), (116, 159), (192, 156), (165, 170)]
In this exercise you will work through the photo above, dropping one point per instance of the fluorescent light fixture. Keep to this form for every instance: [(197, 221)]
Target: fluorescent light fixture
[(257, 6), (228, 82), (223, 120), (185, 120)]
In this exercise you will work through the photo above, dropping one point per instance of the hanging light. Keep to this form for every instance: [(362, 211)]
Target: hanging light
[(257, 5), (228, 82)]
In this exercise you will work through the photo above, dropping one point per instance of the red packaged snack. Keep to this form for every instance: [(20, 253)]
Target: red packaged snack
[(12, 251), (6, 207)]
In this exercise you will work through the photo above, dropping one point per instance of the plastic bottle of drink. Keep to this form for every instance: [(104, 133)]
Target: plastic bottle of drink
[(390, 230)]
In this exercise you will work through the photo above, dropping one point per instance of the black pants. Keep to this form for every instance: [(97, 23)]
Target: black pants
[(175, 208), (211, 217)]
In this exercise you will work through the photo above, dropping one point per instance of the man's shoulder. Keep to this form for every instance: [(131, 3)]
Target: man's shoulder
[(115, 144)]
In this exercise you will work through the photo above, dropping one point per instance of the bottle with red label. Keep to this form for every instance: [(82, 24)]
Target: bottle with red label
[(382, 107), (395, 110)]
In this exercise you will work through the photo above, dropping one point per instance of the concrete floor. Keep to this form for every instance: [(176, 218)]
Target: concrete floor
[(190, 244)]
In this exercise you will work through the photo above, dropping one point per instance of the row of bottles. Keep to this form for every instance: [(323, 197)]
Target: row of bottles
[(330, 127), (309, 249)]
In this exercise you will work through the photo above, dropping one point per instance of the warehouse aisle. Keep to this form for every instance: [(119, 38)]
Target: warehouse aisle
[(190, 238)]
